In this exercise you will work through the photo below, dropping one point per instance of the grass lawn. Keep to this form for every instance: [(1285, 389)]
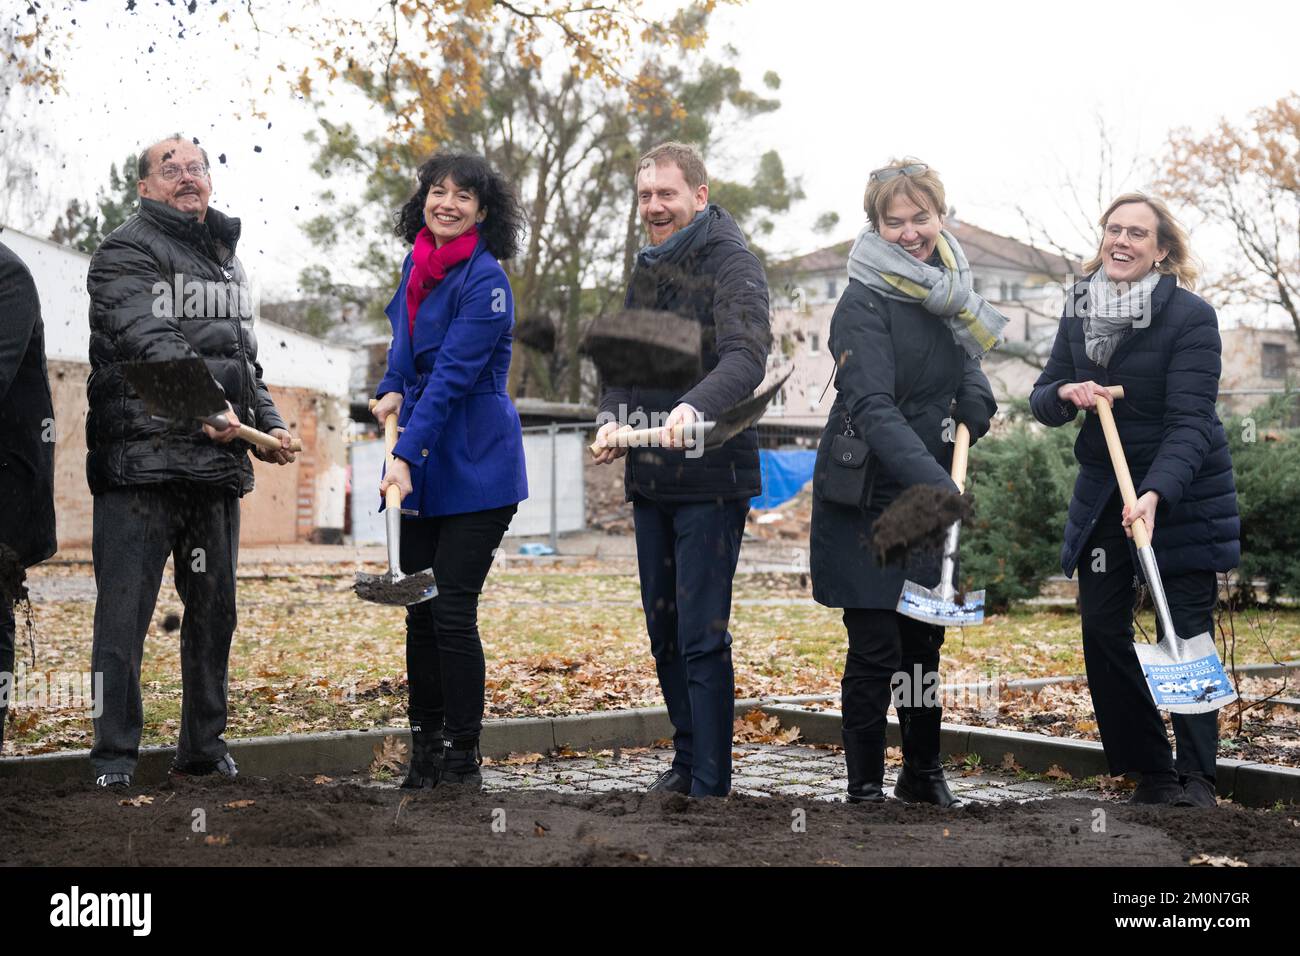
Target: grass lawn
[(309, 656)]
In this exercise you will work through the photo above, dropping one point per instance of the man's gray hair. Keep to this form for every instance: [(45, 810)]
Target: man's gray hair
[(142, 164)]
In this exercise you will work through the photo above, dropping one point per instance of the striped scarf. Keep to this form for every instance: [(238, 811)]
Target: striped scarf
[(944, 290)]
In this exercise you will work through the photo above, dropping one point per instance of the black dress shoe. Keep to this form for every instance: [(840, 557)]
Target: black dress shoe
[(1158, 788), (460, 766), (1198, 791), (113, 781), (671, 780), (924, 785), (223, 767), (867, 793)]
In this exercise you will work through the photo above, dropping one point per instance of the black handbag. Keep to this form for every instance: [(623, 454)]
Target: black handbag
[(846, 476)]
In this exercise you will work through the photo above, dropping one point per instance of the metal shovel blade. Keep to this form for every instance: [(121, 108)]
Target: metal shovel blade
[(739, 417), (176, 388), (932, 607), (1185, 676), (395, 588)]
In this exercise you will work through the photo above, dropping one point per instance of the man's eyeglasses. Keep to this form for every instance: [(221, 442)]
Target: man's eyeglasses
[(886, 173), (172, 172), (1135, 233)]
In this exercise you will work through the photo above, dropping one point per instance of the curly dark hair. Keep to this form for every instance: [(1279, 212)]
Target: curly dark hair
[(503, 228)]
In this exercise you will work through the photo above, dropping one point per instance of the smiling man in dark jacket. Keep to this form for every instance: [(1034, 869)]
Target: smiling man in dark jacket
[(165, 285), (26, 451), (689, 508)]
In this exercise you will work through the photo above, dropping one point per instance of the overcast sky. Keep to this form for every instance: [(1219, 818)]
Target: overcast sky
[(1002, 98)]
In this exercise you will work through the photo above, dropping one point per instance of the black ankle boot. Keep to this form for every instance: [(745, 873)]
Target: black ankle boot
[(426, 759), (460, 764), (864, 761), (921, 779), (1158, 787)]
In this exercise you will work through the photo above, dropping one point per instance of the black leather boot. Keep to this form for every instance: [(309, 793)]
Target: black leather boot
[(460, 764), (921, 780), (864, 761), (426, 759)]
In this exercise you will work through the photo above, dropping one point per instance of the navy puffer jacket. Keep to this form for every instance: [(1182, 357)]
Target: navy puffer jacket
[(1171, 433)]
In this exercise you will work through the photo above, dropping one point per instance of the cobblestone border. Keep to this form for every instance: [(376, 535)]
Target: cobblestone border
[(344, 751)]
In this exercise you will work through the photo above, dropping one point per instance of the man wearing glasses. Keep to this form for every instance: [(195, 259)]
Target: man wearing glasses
[(166, 285)]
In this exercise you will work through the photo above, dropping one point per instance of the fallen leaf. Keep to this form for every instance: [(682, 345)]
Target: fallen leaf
[(390, 755), (1009, 763), (1056, 773), (320, 779), (214, 840), (239, 804), (945, 831), (538, 829), (140, 801), (1204, 859)]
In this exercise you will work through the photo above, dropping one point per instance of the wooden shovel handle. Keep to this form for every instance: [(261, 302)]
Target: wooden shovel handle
[(634, 438), (269, 442), (960, 456), (393, 494), (1140, 536)]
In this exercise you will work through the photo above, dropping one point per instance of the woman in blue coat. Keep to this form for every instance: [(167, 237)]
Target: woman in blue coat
[(460, 455), (1135, 322)]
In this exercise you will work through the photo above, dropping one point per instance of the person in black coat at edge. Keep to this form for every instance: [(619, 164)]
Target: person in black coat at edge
[(1129, 323), (26, 452), (689, 507), (907, 334)]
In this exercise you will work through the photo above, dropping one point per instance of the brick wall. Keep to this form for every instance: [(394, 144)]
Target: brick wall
[(282, 506)]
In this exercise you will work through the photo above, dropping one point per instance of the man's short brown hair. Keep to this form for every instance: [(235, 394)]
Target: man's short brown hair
[(684, 156)]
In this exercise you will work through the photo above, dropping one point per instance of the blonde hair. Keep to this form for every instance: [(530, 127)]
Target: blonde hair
[(925, 189), (1170, 235), (685, 157)]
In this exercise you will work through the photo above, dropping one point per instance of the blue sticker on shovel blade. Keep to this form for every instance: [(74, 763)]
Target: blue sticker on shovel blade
[(1191, 686)]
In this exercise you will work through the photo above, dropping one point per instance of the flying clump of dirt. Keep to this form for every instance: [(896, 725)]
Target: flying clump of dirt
[(916, 522)]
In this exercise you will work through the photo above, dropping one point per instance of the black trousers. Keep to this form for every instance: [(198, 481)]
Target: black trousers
[(891, 657), (1132, 730), (686, 555), (6, 661), (444, 654), (135, 529)]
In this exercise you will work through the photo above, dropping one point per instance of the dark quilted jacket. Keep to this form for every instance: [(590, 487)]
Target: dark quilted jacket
[(134, 317), (1171, 433)]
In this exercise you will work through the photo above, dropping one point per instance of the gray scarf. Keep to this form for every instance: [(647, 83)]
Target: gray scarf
[(945, 290), (1114, 310)]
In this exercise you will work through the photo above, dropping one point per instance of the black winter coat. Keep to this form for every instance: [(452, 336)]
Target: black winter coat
[(164, 285), (26, 418), (1171, 433), (898, 371), (719, 283)]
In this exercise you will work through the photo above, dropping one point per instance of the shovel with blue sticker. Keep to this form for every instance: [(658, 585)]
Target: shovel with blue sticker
[(1185, 676)]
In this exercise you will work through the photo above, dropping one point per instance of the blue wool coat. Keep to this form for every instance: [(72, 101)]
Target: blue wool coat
[(461, 433), (1171, 433)]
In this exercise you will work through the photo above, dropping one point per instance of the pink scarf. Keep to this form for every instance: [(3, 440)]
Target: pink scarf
[(430, 266)]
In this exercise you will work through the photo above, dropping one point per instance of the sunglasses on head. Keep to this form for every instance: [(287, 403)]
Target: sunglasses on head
[(886, 173)]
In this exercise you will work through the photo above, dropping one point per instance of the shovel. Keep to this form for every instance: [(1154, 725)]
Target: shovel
[(711, 434), (395, 588), (184, 388), (939, 605), (1184, 676)]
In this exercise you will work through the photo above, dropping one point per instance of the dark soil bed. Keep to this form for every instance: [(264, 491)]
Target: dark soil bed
[(294, 820)]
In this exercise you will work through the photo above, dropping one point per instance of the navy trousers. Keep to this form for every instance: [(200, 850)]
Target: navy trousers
[(687, 554)]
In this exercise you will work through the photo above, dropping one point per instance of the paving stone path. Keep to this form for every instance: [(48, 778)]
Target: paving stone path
[(757, 769)]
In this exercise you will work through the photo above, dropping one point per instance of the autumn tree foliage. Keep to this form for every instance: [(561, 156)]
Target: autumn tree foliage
[(1246, 177)]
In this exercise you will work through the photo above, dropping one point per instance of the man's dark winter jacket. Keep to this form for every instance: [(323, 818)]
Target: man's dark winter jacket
[(1172, 436), (26, 418), (715, 280), (162, 286)]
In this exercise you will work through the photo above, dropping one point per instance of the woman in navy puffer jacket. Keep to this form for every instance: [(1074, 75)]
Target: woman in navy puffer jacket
[(1135, 322)]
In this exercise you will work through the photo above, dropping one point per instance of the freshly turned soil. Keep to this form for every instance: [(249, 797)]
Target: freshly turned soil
[(916, 521), (294, 821)]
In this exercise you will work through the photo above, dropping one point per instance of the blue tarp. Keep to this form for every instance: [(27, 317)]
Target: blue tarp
[(784, 475)]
